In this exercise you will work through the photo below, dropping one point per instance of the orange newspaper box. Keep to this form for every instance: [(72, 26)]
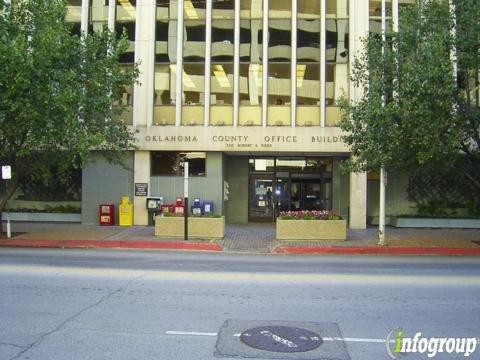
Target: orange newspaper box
[(107, 214)]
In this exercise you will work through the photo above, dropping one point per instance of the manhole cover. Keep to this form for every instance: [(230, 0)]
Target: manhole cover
[(285, 339)]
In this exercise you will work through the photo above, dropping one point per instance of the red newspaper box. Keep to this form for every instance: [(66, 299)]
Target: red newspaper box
[(107, 214), (166, 208), (178, 208)]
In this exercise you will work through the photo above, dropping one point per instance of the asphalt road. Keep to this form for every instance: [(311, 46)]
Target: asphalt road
[(95, 304)]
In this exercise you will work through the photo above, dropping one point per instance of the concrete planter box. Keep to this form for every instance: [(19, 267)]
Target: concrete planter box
[(435, 223), (311, 230), (45, 217), (198, 227)]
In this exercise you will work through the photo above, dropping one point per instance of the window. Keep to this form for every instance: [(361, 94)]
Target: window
[(251, 9), (170, 163), (223, 9), (74, 15), (98, 15), (125, 21)]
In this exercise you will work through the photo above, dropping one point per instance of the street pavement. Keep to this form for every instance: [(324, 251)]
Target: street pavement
[(113, 304)]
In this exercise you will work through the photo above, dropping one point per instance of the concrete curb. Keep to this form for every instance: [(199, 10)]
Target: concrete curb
[(111, 244), (376, 250)]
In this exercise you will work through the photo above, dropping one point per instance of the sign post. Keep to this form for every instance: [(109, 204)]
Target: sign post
[(7, 175), (185, 199)]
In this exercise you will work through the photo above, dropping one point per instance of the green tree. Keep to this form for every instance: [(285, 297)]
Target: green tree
[(427, 121), (59, 93)]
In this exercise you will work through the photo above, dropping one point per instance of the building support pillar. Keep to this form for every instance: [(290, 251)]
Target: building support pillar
[(293, 82), (84, 18), (323, 44), (179, 67), (358, 201), (208, 64), (141, 174), (265, 64), (145, 57), (236, 65)]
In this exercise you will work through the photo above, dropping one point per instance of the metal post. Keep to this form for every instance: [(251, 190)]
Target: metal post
[(381, 220), (185, 199), (9, 230)]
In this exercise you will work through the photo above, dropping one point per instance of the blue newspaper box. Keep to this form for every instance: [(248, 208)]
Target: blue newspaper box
[(207, 207), (196, 208)]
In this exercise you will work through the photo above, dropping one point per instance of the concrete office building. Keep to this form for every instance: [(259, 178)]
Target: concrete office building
[(247, 92)]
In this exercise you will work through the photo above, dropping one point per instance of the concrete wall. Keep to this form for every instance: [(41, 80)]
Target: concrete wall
[(209, 187), (237, 177), (104, 183), (397, 202)]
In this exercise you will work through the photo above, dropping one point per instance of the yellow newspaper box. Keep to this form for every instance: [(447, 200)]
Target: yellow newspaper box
[(125, 212)]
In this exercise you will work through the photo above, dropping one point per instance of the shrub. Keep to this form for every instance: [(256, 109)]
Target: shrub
[(309, 215)]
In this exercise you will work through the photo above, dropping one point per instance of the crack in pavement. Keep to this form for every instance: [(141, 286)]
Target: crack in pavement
[(10, 344), (76, 315)]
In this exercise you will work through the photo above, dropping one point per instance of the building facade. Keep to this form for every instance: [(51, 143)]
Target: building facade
[(247, 92)]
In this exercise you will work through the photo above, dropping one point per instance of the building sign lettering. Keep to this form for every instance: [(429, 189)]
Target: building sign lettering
[(326, 139), (173, 138), (251, 142)]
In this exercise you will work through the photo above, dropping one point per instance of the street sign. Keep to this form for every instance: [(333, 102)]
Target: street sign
[(6, 172)]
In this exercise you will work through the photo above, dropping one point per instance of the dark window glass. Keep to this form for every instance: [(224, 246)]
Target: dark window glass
[(164, 163), (337, 34), (196, 163), (194, 42), (251, 39), (170, 163), (222, 40), (280, 40)]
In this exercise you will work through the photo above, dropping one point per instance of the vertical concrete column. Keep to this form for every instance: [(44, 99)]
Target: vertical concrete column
[(293, 101), (208, 62), (395, 15), (84, 19), (141, 174), (359, 27), (323, 58), (358, 201), (111, 14), (145, 56), (236, 65), (265, 64), (179, 74)]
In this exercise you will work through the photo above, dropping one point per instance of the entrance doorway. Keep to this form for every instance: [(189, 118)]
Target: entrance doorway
[(288, 184), (261, 198), (309, 192)]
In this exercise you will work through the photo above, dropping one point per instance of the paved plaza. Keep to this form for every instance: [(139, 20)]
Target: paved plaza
[(245, 238)]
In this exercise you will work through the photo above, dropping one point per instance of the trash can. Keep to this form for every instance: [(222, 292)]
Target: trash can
[(107, 214)]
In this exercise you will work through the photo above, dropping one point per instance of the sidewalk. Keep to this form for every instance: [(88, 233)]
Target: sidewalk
[(250, 238)]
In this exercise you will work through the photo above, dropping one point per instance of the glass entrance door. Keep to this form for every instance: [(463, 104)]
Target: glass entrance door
[(261, 198)]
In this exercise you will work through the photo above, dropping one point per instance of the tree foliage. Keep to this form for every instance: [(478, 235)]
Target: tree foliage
[(59, 93), (415, 111)]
